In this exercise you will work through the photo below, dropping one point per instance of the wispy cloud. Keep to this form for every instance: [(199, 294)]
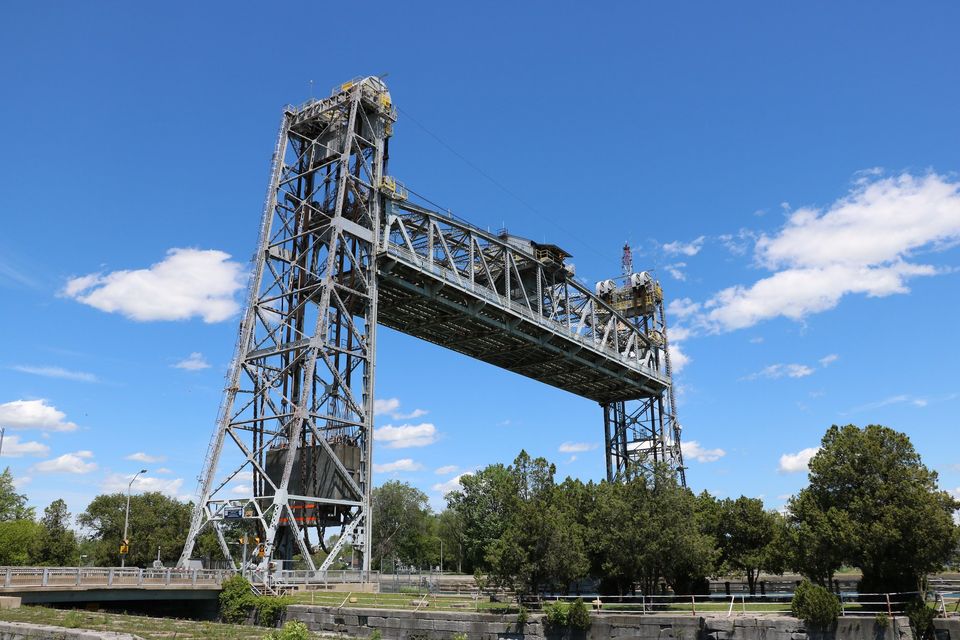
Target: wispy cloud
[(140, 456), (391, 407), (56, 372), (406, 435), (691, 248), (827, 360), (403, 464), (577, 447), (194, 362), (903, 398), (446, 469), (775, 371), (693, 450)]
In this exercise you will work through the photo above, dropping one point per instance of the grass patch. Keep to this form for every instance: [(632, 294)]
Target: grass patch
[(143, 626)]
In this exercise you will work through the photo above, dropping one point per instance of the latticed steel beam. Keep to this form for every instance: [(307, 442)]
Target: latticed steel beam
[(297, 415)]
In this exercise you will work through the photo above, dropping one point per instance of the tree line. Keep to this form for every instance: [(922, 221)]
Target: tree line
[(158, 523), (870, 504)]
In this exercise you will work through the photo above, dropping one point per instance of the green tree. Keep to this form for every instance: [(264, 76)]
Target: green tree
[(58, 543), (19, 542), (542, 544), (156, 521), (450, 531), (746, 534), (403, 526), (891, 519), (646, 532), (485, 503), (13, 505)]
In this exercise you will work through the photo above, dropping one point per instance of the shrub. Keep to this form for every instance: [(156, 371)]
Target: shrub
[(882, 620), (557, 614), (293, 630), (236, 600), (73, 620), (522, 616), (578, 616), (270, 609), (376, 635), (459, 636), (815, 605), (921, 619)]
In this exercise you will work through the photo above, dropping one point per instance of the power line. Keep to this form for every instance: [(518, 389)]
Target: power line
[(497, 183)]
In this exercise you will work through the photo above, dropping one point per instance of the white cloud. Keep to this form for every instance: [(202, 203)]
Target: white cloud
[(827, 360), (676, 270), (444, 470), (678, 359), (692, 449), (186, 283), (775, 371), (13, 448), (403, 464), (21, 481), (194, 362), (684, 248), (407, 435), (954, 492), (56, 372), (391, 406), (682, 307), (34, 414), (385, 406), (144, 457), (453, 484), (862, 243), (117, 483), (242, 490), (903, 398), (163, 470), (796, 462), (68, 463), (577, 447)]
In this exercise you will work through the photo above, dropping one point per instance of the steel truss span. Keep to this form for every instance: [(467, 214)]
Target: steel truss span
[(341, 249)]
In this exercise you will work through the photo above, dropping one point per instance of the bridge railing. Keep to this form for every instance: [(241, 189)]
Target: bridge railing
[(93, 577)]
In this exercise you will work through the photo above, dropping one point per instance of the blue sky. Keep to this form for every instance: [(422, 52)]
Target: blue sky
[(789, 172)]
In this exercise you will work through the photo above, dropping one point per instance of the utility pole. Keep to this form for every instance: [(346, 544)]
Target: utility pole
[(125, 545)]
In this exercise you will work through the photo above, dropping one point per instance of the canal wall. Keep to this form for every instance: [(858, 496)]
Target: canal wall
[(26, 631), (443, 625)]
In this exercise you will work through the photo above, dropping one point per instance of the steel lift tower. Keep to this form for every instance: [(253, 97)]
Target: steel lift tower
[(341, 249)]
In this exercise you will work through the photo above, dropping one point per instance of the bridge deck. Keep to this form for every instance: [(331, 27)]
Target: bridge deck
[(444, 281)]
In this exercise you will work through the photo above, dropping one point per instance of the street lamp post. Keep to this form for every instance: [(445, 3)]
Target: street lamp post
[(126, 518)]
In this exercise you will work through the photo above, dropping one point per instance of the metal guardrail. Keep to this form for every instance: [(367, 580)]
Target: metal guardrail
[(851, 604), (108, 577)]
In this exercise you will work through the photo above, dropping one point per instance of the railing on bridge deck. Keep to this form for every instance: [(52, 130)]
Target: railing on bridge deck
[(108, 577)]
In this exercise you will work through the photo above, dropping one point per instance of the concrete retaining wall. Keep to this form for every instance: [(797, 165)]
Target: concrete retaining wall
[(443, 625), (947, 629), (24, 631)]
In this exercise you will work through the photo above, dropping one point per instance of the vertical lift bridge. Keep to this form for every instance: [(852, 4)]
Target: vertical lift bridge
[(341, 249)]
